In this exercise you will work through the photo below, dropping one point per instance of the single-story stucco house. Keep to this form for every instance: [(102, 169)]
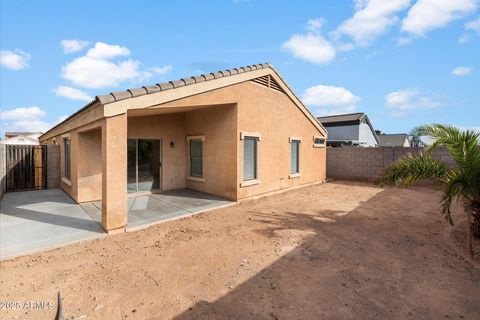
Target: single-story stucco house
[(238, 133)]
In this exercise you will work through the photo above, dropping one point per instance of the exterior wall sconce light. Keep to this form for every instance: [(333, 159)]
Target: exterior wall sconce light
[(172, 144)]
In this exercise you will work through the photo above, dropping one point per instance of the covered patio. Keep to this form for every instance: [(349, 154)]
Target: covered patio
[(124, 169), (34, 221)]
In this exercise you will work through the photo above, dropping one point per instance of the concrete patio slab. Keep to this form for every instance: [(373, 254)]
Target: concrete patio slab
[(32, 221), (191, 201), (147, 210), (151, 209)]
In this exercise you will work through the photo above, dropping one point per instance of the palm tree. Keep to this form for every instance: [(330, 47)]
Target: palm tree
[(459, 183)]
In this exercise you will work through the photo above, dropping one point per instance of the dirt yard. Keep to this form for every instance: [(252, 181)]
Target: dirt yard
[(333, 251)]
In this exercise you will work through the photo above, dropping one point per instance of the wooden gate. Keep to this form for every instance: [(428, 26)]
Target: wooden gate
[(26, 167)]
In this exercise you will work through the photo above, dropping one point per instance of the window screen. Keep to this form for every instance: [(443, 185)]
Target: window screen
[(196, 158), (250, 158), (319, 141), (66, 158), (294, 156)]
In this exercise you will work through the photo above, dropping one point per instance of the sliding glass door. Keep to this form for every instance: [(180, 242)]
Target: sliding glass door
[(132, 165), (143, 165)]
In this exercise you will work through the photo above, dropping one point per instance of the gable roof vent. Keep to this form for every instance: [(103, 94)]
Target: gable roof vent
[(268, 82)]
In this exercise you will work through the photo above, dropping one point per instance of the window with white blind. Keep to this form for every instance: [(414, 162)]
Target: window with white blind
[(250, 158), (196, 158), (66, 159), (318, 142), (294, 156)]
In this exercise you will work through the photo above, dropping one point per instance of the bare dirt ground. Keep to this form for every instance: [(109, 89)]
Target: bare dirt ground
[(339, 250)]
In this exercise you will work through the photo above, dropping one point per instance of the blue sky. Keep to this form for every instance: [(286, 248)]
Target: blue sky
[(403, 62)]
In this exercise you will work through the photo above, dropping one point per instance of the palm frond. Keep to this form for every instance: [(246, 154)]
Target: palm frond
[(454, 189), (459, 184), (412, 168), (463, 145)]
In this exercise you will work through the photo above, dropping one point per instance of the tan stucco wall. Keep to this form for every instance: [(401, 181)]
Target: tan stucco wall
[(169, 128), (94, 191), (217, 125), (89, 165), (114, 168), (275, 117)]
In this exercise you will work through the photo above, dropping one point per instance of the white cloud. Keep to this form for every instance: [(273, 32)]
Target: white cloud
[(403, 41), (330, 99), (72, 93), (316, 24), (401, 101), (473, 25), (462, 71), (310, 47), (427, 15), (371, 19), (97, 73), (29, 113), (345, 46), (29, 119), (464, 39), (71, 46), (99, 68), (162, 70), (103, 50), (14, 60), (24, 119)]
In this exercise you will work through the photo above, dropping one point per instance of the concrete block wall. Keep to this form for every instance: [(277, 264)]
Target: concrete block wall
[(53, 166), (366, 164)]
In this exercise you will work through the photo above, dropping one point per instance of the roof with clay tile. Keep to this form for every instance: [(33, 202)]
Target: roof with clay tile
[(164, 86), (132, 93)]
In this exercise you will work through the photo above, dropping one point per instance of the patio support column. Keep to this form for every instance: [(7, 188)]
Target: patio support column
[(114, 173)]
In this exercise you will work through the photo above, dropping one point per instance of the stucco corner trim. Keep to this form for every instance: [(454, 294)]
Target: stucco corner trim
[(249, 183), (198, 179), (290, 139), (197, 137), (244, 134), (294, 175), (67, 181)]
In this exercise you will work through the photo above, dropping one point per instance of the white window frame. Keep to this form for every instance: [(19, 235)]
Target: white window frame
[(189, 176), (319, 145), (297, 174), (258, 136), (65, 179)]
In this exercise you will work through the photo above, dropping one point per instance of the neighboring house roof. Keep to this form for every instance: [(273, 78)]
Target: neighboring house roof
[(346, 119), (174, 84), (20, 139), (341, 118), (394, 139), (11, 134)]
